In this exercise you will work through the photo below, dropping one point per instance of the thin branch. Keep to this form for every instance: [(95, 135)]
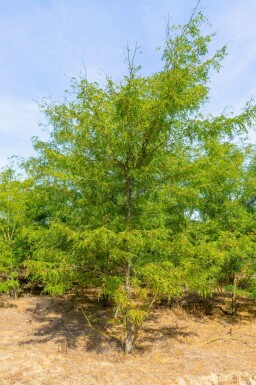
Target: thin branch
[(184, 29), (130, 59), (219, 339), (4, 233), (95, 329), (85, 70), (13, 230), (139, 326)]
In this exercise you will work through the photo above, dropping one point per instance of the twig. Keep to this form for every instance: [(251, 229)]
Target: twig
[(95, 329), (69, 331), (219, 338)]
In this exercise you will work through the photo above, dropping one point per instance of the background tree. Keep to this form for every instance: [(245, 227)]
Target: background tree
[(13, 220), (221, 231)]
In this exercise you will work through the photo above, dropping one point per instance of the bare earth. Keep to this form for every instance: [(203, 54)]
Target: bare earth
[(46, 341)]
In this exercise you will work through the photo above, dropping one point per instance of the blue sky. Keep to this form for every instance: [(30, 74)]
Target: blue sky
[(45, 42)]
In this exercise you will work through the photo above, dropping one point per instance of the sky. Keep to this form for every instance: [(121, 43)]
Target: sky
[(44, 43)]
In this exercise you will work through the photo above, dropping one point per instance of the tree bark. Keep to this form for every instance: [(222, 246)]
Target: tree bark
[(128, 343), (234, 295)]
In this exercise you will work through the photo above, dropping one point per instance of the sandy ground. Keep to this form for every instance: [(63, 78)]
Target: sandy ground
[(46, 341)]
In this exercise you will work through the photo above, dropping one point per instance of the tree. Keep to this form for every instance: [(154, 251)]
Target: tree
[(121, 157), (222, 234), (13, 219)]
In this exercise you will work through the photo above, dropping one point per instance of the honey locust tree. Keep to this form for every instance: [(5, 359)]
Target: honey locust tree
[(119, 157)]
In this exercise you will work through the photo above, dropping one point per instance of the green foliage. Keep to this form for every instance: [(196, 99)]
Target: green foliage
[(50, 264), (140, 194), (13, 219)]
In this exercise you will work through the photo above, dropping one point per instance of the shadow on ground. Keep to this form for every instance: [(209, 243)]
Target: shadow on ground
[(61, 320)]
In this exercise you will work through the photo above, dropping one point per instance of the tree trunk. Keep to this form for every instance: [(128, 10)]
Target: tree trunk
[(234, 295), (128, 343), (128, 336), (15, 295)]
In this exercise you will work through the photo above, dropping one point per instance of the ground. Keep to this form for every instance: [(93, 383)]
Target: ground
[(45, 341)]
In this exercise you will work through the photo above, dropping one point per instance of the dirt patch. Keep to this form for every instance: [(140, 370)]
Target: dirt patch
[(46, 341)]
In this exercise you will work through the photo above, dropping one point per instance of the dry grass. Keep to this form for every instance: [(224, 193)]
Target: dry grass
[(46, 341)]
